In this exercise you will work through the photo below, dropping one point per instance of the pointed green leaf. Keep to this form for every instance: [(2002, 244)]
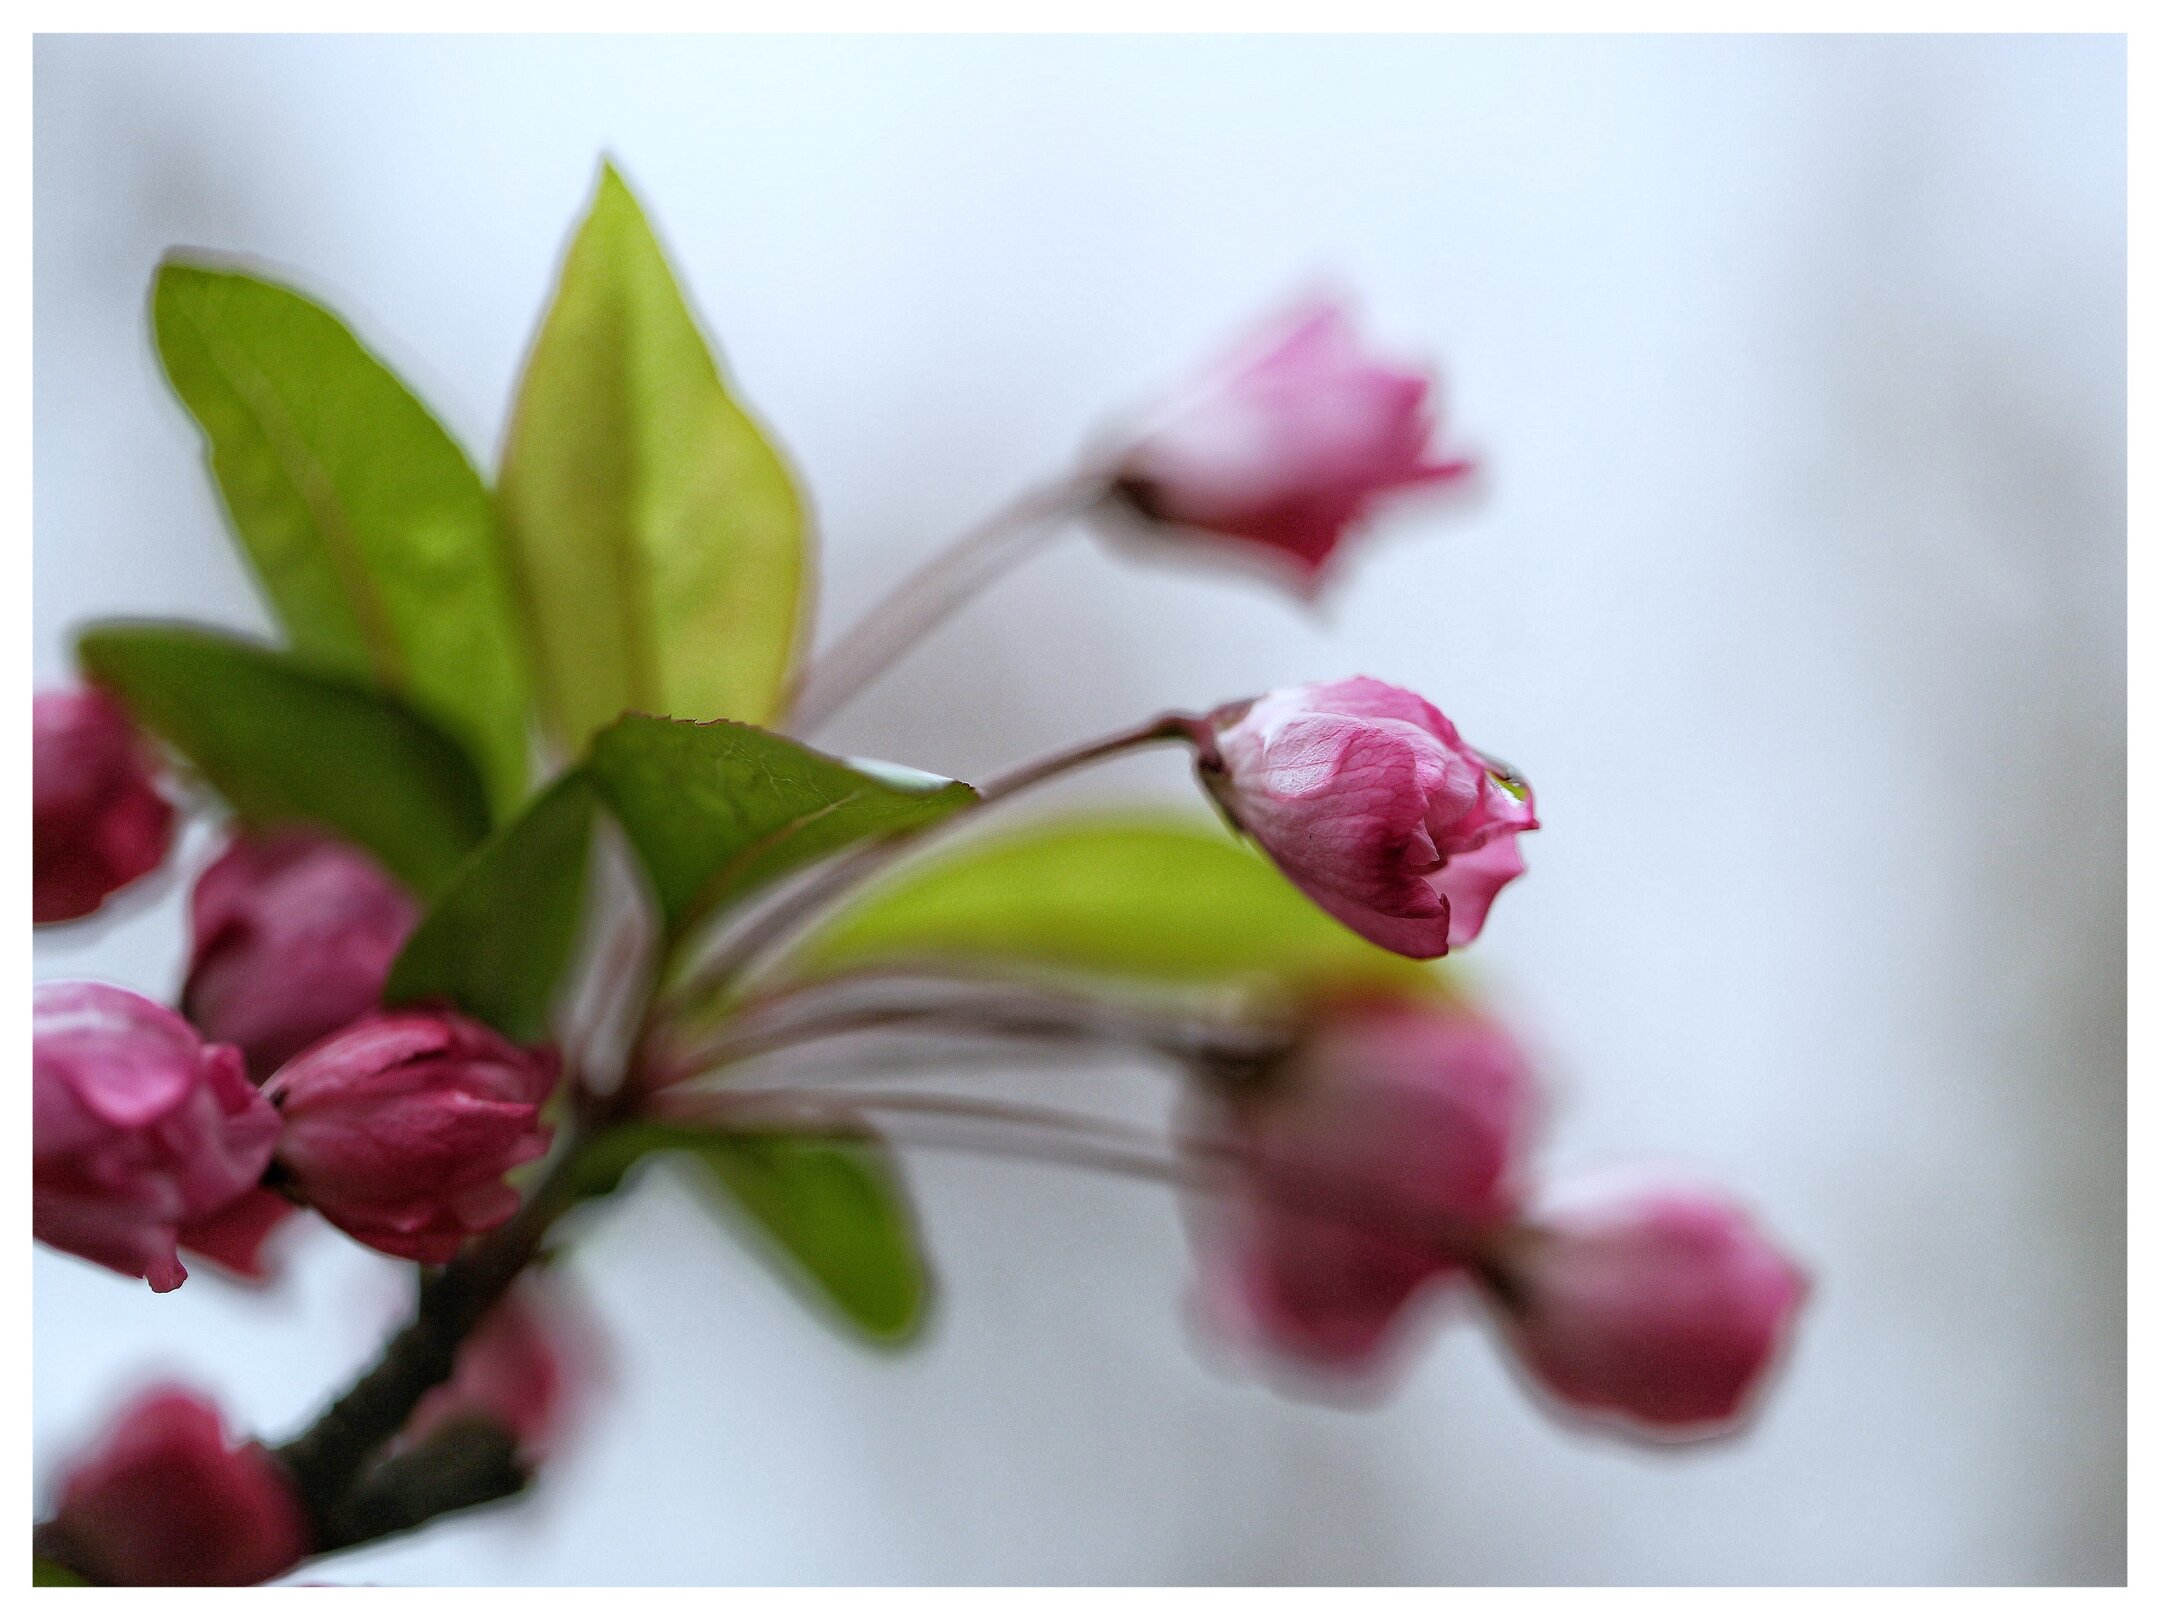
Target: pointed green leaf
[(283, 741), (837, 1211), (1152, 898), (716, 809), (497, 940), (830, 1211), (371, 533), (656, 538)]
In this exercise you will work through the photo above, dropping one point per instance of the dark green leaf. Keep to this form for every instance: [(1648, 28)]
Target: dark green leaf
[(496, 941), (283, 742), (44, 1572), (831, 1210), (716, 809), (1152, 898), (657, 537), (371, 533)]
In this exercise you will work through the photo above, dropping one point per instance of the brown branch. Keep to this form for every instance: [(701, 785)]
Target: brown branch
[(328, 1458), (465, 1464)]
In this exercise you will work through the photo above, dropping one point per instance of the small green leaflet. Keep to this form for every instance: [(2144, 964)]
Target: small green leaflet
[(497, 940), (716, 809)]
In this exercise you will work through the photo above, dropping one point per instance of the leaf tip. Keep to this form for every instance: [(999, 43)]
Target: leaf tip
[(613, 188)]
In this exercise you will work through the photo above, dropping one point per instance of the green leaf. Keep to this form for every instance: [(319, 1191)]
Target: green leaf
[(371, 533), (497, 940), (44, 1572), (831, 1211), (283, 741), (1137, 897), (656, 536), (715, 809)]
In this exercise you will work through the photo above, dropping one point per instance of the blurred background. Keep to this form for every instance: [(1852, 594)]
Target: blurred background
[(1798, 368)]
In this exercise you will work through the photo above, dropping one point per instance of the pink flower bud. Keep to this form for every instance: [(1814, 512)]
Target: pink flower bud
[(138, 1129), (1371, 803), (167, 1500), (1665, 1309), (523, 1369), (1288, 445), (293, 936), (98, 821), (1374, 1159), (401, 1127)]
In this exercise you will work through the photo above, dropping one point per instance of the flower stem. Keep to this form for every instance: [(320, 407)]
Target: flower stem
[(851, 1004), (833, 880), (1192, 1161), (930, 595)]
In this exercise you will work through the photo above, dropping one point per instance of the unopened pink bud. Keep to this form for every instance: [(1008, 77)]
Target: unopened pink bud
[(1665, 1309), (1375, 1159), (1372, 804), (292, 936), (523, 1369), (1289, 445), (138, 1129), (401, 1127), (166, 1500), (98, 821)]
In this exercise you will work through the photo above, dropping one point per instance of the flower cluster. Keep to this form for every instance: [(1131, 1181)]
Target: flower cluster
[(376, 1021), (1380, 1160)]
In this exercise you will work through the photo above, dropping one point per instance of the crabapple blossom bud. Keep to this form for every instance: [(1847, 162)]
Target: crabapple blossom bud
[(98, 821), (166, 1500), (401, 1127), (1373, 1159), (1372, 804), (138, 1129), (1288, 445), (293, 934), (522, 1369), (1665, 1309)]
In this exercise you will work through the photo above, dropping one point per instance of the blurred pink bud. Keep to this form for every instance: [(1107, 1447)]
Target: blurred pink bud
[(1376, 1158), (166, 1500), (1371, 803), (401, 1127), (98, 821), (523, 1369), (1665, 1309), (138, 1129), (293, 936), (1288, 445)]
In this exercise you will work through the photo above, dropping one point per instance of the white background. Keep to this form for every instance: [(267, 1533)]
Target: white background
[(1798, 367)]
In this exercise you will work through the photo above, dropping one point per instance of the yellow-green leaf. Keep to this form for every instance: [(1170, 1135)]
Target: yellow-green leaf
[(1154, 898), (655, 536), (370, 531)]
